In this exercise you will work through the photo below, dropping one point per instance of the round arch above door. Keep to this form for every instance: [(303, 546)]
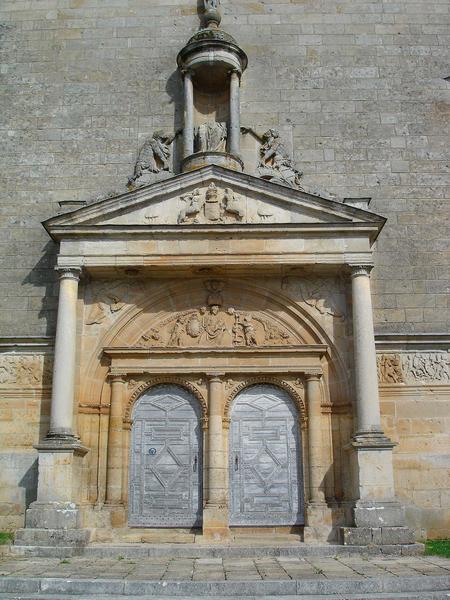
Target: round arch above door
[(266, 484), (165, 475)]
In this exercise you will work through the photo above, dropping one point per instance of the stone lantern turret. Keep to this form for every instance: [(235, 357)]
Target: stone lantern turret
[(212, 64)]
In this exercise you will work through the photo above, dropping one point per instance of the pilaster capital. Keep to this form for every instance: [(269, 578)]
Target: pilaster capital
[(360, 270), (73, 273), (186, 73)]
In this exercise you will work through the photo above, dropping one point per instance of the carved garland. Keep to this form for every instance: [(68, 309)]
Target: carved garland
[(146, 385), (293, 393)]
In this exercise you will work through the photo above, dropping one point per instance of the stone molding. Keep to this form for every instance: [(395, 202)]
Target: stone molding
[(295, 395), (147, 384)]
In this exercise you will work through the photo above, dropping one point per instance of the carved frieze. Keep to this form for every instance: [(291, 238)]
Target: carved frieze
[(389, 368), (211, 205), (414, 367), (25, 370)]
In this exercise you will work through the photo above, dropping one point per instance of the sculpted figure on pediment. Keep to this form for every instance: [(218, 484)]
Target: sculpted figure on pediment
[(275, 164), (153, 157)]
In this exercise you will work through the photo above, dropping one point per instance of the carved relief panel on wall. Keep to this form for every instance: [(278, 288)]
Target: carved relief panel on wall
[(216, 324), (414, 367)]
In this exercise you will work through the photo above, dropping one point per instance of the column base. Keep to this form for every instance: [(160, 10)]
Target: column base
[(215, 524), (116, 513)]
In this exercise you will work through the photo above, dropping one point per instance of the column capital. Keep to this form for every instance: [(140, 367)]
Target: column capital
[(69, 273), (215, 377), (358, 270), (312, 376), (114, 378)]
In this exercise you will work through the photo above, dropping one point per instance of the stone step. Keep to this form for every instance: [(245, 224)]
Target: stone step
[(313, 588), (214, 551), (382, 596)]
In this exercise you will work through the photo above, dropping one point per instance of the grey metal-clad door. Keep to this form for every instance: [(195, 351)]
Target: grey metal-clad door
[(265, 459), (165, 478)]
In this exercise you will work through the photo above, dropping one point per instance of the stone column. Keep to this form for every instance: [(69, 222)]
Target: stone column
[(235, 114), (54, 518), (318, 515), (61, 415), (365, 360), (378, 517), (215, 513), (315, 444), (188, 130), (114, 456)]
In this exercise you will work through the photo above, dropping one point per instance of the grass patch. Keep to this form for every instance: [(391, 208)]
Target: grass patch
[(6, 537), (438, 547)]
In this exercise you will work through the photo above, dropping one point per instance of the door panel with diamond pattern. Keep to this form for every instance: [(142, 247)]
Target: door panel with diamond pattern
[(265, 459), (166, 460)]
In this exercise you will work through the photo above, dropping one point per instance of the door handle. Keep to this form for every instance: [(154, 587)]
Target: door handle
[(236, 462), (194, 466)]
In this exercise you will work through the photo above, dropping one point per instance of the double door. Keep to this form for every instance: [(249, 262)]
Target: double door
[(166, 459)]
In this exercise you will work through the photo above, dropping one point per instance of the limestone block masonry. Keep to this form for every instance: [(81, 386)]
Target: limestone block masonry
[(235, 312)]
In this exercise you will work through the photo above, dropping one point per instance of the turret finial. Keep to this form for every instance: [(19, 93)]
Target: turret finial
[(212, 15)]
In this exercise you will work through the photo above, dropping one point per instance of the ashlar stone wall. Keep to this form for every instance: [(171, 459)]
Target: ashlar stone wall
[(357, 89)]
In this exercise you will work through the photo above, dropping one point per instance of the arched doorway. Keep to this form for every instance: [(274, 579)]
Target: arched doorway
[(165, 481), (266, 486)]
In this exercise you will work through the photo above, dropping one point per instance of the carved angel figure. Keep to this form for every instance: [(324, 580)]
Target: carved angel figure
[(274, 163), (154, 156), (232, 204)]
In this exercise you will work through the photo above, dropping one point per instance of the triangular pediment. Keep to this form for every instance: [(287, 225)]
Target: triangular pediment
[(211, 196)]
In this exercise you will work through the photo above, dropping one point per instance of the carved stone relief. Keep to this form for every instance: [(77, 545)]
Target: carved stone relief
[(25, 370), (109, 299), (322, 294), (153, 157), (414, 367), (275, 164), (214, 325), (211, 137), (389, 368), (212, 205)]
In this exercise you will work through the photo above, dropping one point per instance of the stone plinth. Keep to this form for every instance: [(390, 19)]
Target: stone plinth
[(54, 518)]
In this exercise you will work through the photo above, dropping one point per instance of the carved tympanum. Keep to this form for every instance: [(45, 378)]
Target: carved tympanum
[(208, 326), (211, 205)]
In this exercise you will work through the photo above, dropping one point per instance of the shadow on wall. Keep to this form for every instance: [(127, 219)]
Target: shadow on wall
[(43, 275), (174, 88), (29, 484)]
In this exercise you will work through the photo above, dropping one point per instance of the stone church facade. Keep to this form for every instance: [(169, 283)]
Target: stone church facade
[(231, 335)]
